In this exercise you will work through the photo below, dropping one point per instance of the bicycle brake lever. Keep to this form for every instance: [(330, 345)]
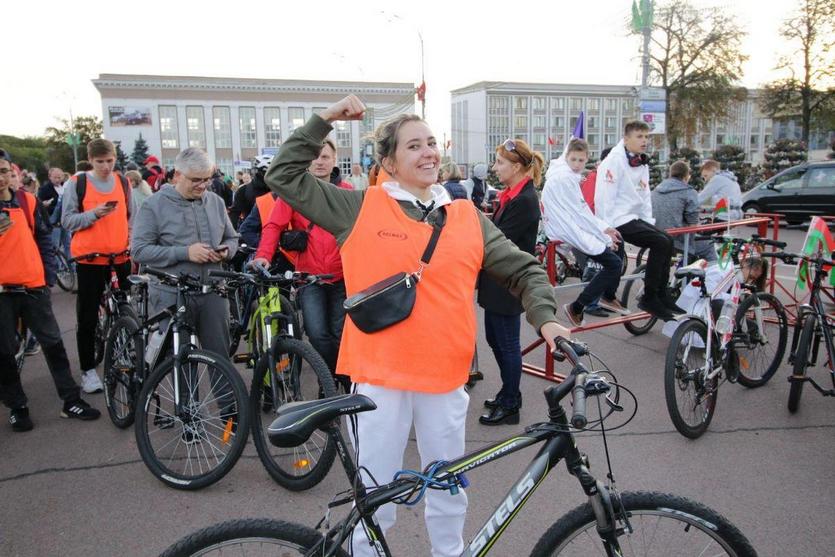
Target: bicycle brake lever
[(612, 404)]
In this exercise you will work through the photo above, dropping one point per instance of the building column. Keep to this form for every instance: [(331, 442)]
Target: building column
[(260, 137), (209, 129), (182, 126), (235, 129)]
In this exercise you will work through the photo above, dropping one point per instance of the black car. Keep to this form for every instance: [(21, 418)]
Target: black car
[(798, 193)]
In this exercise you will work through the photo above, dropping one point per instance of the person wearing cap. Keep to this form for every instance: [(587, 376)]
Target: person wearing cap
[(153, 172), (26, 238)]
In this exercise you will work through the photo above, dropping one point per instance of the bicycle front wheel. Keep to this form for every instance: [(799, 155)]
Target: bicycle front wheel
[(249, 537), (120, 364), (300, 374), (662, 525), (65, 275), (760, 338), (801, 361), (193, 443), (632, 292), (691, 397)]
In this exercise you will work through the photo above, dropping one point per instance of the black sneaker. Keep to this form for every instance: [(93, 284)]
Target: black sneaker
[(655, 307), (20, 420), (81, 410), (670, 303)]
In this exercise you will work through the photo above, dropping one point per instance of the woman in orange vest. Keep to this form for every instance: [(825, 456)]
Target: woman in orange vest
[(414, 370)]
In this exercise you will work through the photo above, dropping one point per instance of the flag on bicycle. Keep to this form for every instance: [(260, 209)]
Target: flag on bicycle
[(818, 239), (721, 207)]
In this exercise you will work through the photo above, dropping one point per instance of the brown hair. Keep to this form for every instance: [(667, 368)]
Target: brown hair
[(83, 166), (329, 142), (522, 154), (680, 170), (578, 145), (99, 148), (134, 176), (752, 262), (385, 136), (635, 125), (450, 171), (710, 164)]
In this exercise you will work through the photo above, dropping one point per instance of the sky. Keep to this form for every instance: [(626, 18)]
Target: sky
[(557, 41)]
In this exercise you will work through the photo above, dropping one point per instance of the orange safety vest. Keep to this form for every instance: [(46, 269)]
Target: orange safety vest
[(22, 264), (108, 234), (265, 204), (431, 350)]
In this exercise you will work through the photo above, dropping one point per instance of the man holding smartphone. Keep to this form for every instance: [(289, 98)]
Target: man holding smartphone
[(95, 209), (185, 228), (28, 271)]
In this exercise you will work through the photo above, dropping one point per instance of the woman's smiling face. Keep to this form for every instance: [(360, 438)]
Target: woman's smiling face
[(417, 158)]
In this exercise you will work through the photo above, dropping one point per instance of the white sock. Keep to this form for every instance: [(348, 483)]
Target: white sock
[(90, 371)]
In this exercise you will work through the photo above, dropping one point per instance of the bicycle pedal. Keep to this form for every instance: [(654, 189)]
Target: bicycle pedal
[(242, 358)]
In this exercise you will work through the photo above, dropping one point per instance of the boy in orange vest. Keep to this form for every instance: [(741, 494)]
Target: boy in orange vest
[(26, 240), (99, 225)]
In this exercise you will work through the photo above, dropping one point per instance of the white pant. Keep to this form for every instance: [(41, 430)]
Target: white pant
[(439, 421)]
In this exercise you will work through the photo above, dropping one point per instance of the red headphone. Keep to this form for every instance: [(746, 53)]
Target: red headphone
[(637, 160)]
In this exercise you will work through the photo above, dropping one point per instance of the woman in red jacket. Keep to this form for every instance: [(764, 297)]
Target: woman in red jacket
[(321, 303)]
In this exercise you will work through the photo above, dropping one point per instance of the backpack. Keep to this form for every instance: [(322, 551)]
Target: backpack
[(81, 190), (23, 202)]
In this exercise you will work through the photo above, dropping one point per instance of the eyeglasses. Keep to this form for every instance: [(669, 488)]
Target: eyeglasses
[(510, 145), (198, 181), (5, 171)]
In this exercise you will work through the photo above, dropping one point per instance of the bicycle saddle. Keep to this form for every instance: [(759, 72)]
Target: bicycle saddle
[(139, 279), (297, 421), (694, 270)]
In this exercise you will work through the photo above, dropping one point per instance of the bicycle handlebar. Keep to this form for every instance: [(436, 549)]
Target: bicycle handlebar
[(756, 238), (575, 381), (791, 258)]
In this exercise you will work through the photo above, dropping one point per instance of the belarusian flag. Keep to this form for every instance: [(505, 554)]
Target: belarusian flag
[(818, 240), (721, 207)]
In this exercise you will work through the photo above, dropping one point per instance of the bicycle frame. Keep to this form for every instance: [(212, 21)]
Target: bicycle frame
[(559, 445), (822, 329)]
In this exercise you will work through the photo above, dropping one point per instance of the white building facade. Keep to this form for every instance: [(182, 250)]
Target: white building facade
[(236, 119), (544, 115)]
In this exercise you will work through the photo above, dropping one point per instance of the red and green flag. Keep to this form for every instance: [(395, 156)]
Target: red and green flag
[(818, 240), (721, 207)]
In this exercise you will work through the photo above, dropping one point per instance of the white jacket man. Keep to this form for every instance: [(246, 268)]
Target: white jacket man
[(622, 191)]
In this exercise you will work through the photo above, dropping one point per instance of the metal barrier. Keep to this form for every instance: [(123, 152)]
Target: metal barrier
[(762, 221)]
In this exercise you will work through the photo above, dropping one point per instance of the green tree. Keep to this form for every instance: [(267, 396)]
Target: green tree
[(783, 154), (694, 159), (121, 158), (140, 151), (805, 92), (732, 158), (28, 152), (59, 152), (695, 57)]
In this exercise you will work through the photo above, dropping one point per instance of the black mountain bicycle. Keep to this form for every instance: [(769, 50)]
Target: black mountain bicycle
[(611, 523), (191, 417), (811, 327), (66, 271)]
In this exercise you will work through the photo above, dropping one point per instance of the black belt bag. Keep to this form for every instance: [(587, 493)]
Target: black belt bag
[(391, 300), (295, 240)]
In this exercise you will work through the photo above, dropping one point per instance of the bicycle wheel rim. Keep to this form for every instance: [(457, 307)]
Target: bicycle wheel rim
[(120, 355), (294, 379), (694, 395), (198, 443), (760, 349), (633, 290)]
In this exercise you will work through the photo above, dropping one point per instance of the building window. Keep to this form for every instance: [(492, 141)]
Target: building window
[(611, 122), (720, 138), (539, 122), (592, 122), (539, 141), (168, 130), (343, 135), (520, 104), (576, 104), (226, 166), (295, 117), (592, 139), (611, 105), (767, 139), (539, 104), (572, 122), (272, 127), (609, 140), (345, 164), (221, 120), (246, 117), (627, 107), (592, 104), (196, 127), (558, 123), (755, 140), (557, 103), (520, 123)]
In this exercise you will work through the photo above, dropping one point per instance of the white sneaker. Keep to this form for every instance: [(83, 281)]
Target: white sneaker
[(90, 382)]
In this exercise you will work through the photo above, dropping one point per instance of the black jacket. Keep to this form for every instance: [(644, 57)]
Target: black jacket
[(478, 191), (245, 199), (519, 220), (47, 192)]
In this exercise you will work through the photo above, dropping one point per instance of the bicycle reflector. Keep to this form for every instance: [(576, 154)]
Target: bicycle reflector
[(282, 364), (227, 431), (301, 463)]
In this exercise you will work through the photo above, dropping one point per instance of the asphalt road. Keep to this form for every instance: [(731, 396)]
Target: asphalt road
[(80, 489)]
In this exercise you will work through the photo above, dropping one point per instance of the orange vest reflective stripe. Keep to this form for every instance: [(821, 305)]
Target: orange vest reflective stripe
[(432, 349), (108, 234), (22, 264)]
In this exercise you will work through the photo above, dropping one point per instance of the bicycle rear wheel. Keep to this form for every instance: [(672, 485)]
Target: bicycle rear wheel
[(253, 537), (802, 360), (195, 443), (120, 363), (65, 275), (300, 374), (760, 338), (691, 398), (102, 330), (633, 289), (662, 525)]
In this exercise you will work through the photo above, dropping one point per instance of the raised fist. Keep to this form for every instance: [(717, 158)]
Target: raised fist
[(349, 108)]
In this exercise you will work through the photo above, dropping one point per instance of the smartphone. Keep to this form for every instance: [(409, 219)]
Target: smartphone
[(221, 250), (112, 203), (4, 216)]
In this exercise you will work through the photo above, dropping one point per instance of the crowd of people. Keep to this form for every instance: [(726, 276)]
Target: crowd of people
[(299, 212)]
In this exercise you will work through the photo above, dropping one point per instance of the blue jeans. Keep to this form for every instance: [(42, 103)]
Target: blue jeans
[(503, 337), (61, 240), (324, 318), (606, 281)]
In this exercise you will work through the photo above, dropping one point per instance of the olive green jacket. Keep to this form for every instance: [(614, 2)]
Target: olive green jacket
[(336, 210)]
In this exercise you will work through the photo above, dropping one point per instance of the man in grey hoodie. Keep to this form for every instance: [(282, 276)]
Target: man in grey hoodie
[(721, 184), (185, 228), (675, 204)]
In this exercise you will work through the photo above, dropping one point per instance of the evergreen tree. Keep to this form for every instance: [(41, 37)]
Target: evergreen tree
[(732, 158), (656, 170), (121, 158), (140, 151), (783, 154)]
